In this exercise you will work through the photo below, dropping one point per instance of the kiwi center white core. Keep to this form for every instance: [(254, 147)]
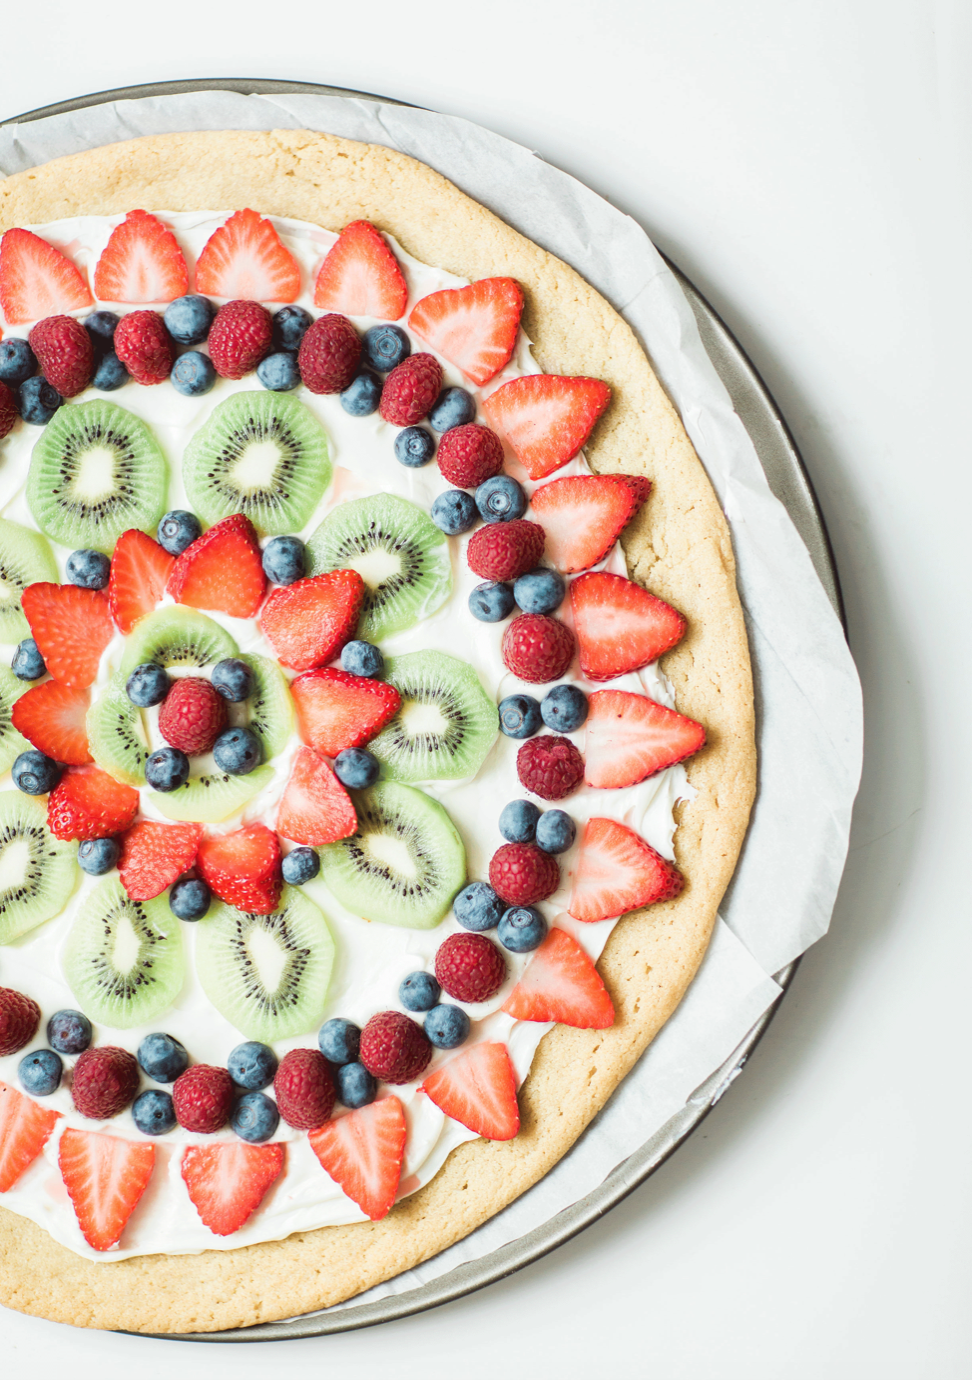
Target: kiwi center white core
[(256, 467), (13, 864), (376, 565), (8, 592), (267, 956), (418, 718), (126, 946), (95, 475), (393, 853)]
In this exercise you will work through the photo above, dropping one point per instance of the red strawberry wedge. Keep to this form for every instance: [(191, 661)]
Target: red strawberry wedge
[(545, 418), (361, 276), (363, 1153), (71, 626), (154, 855), (105, 1177), (221, 570), (561, 984), (139, 571), (141, 262), (245, 258), (87, 803), (52, 717), (336, 710), (243, 868), (36, 280), (315, 808), (630, 737), (620, 627), (227, 1182), (584, 514), (473, 327), (24, 1131), (617, 871), (478, 1089), (309, 621)]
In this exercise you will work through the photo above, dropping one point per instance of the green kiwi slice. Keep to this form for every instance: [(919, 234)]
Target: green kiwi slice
[(263, 454), (405, 863), (267, 974), (115, 737), (212, 796), (12, 743), (95, 472), (37, 871), (397, 550), (272, 713), (176, 636), (123, 959), (446, 724), (25, 558)]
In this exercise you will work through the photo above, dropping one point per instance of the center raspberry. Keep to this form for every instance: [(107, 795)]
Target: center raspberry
[(193, 715)]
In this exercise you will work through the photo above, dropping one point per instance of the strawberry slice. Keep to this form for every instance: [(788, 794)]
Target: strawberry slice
[(71, 626), (141, 262), (243, 868), (545, 418), (105, 1176), (52, 716), (309, 621), (584, 515), (245, 258), (315, 808), (221, 570), (361, 276), (478, 1089), (561, 984), (24, 1131), (136, 583), (227, 1182), (87, 803), (336, 710), (473, 327), (630, 737), (363, 1153), (620, 627), (154, 855), (36, 280), (617, 871)]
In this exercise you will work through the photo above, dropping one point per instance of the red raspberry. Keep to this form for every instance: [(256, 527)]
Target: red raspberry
[(105, 1081), (9, 412), (64, 353), (522, 874), (304, 1089), (410, 390), (144, 346), (394, 1048), (537, 648), (19, 1019), (549, 766), (203, 1097), (470, 454), (469, 967), (504, 550), (329, 355), (193, 715), (239, 338)]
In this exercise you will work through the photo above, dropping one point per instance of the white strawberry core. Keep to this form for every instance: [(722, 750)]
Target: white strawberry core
[(377, 565), (257, 466), (269, 958), (13, 864), (96, 474)]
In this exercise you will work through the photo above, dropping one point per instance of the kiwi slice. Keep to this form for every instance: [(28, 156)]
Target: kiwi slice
[(37, 871), (397, 550), (123, 959), (272, 713), (211, 797), (25, 557), (262, 454), (405, 863), (115, 737), (267, 974), (446, 723), (176, 636), (12, 743), (95, 472)]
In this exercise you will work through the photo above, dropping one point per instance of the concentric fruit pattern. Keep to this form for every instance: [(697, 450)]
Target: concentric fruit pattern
[(397, 550), (211, 796), (115, 737), (273, 717), (176, 636), (12, 743), (446, 723), (267, 974), (404, 865), (25, 558), (95, 472), (37, 871), (263, 454)]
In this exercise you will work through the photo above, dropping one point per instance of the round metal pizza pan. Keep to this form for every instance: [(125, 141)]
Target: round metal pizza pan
[(789, 481)]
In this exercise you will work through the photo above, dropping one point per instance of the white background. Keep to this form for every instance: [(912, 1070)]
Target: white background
[(806, 162)]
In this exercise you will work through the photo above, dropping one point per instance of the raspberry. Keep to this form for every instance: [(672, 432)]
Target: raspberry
[(239, 338), (202, 1097), (19, 1019), (410, 390), (304, 1089), (144, 346), (522, 874), (550, 767), (105, 1081), (329, 355), (394, 1048), (9, 411), (536, 647), (469, 967), (470, 454), (504, 550), (192, 716), (64, 352)]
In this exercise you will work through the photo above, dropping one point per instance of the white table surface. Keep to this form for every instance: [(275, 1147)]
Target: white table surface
[(807, 164)]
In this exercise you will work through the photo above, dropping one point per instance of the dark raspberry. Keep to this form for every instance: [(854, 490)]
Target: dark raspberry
[(536, 647), (394, 1048), (203, 1097), (192, 715), (330, 353), (304, 1088), (469, 455), (522, 874), (64, 352), (410, 390), (505, 550), (239, 338), (550, 766), (105, 1082), (144, 346), (19, 1019), (469, 967), (9, 412)]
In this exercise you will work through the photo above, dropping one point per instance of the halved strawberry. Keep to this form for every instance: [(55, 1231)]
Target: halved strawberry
[(309, 621), (620, 627), (52, 716), (617, 871), (71, 626), (473, 327), (154, 855), (545, 418), (87, 803), (24, 1131), (360, 276), (141, 262), (243, 868), (227, 1182), (584, 514), (363, 1153), (630, 737), (336, 710), (105, 1176), (244, 258), (315, 808), (478, 1089), (561, 984), (136, 583), (36, 280), (221, 570)]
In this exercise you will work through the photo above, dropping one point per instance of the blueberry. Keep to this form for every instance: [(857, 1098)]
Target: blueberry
[(491, 602), (98, 856), (189, 318), (167, 769), (355, 1085), (40, 1072), (300, 865), (540, 590), (414, 447), (162, 1057), (233, 679), (284, 560), (477, 907), (453, 407), (153, 1112), (454, 512), (69, 1031), (189, 898), (356, 768), (446, 1026), (193, 374), (362, 395), (362, 659), (556, 831), (88, 569), (519, 716), (500, 499), (384, 347), (101, 327), (148, 684), (109, 373), (252, 1065), (177, 530), (38, 400), (518, 821), (279, 372), (17, 361), (28, 664), (237, 751), (35, 774), (255, 1117), (289, 325), (521, 929), (339, 1040), (564, 708), (419, 992)]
